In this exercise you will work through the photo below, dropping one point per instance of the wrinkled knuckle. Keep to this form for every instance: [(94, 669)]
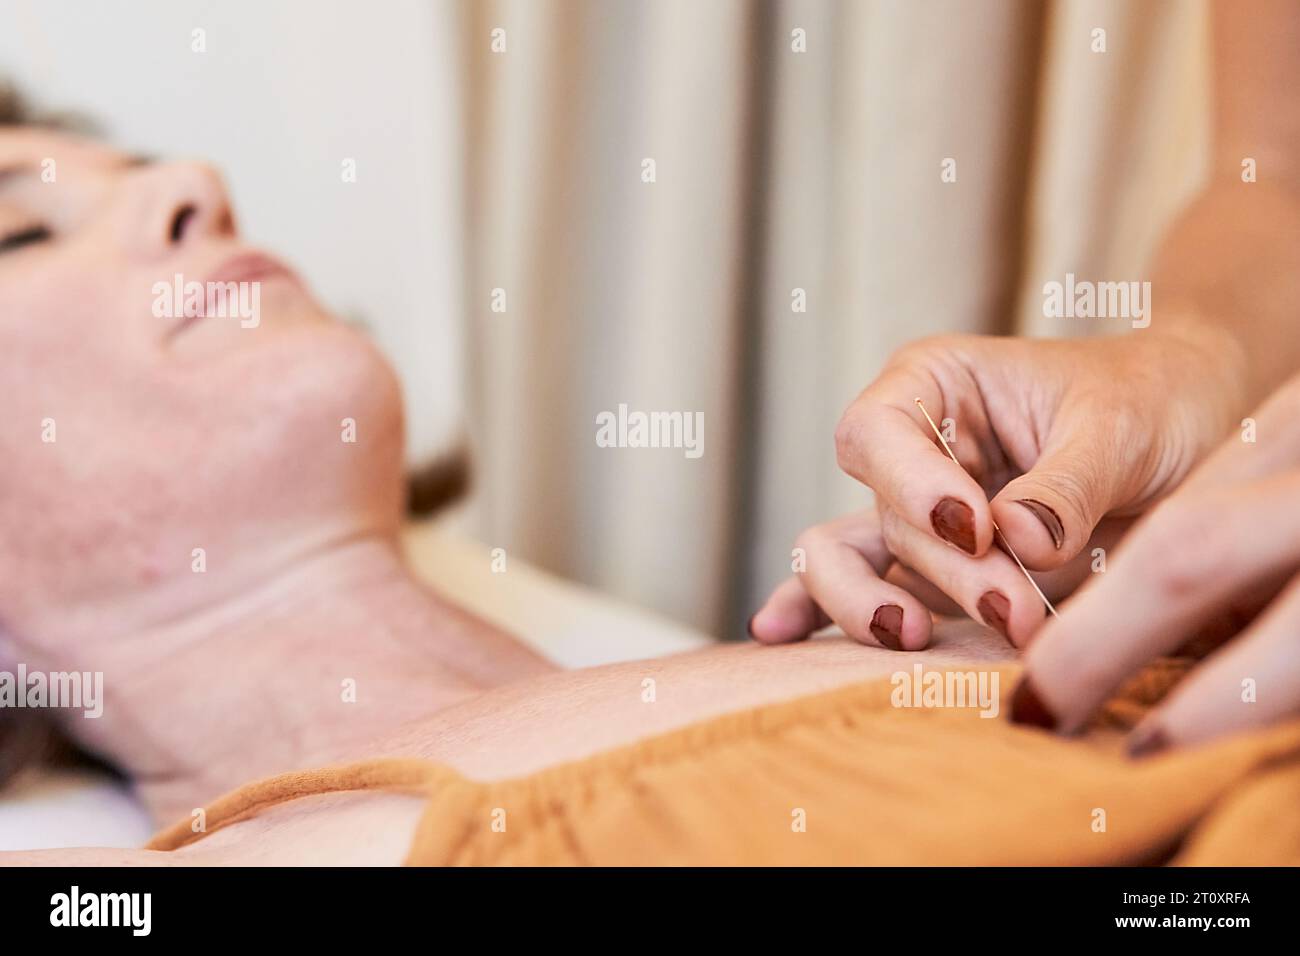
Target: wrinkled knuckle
[(933, 344), (921, 354), (1180, 549), (851, 436), (1182, 572)]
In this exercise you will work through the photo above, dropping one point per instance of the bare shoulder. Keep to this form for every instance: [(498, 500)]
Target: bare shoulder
[(554, 718), (526, 726)]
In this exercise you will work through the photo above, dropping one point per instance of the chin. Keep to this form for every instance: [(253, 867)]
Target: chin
[(337, 407)]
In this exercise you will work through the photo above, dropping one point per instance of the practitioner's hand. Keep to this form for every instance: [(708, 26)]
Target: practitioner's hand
[(1059, 434), (1221, 554)]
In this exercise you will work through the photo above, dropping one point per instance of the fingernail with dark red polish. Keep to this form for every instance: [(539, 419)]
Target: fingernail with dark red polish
[(1028, 709), (954, 521), (887, 626), (1146, 740), (995, 609), (1050, 519)]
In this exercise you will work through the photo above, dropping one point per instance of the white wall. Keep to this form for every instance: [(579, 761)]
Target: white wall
[(284, 92)]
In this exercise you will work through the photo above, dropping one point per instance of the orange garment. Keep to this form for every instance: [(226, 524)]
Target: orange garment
[(846, 778)]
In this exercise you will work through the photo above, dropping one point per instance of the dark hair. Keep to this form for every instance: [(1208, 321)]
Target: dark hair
[(16, 111), (13, 111)]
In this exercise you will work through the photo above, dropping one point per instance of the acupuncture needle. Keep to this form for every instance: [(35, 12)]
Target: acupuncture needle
[(996, 530)]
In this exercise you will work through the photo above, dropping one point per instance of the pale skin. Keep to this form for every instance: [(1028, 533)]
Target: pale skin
[(170, 441)]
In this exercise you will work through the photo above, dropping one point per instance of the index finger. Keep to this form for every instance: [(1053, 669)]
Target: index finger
[(884, 441)]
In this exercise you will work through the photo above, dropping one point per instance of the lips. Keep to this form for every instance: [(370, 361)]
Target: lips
[(245, 267), (249, 267)]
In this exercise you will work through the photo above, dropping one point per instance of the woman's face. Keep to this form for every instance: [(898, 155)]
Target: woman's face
[(132, 434)]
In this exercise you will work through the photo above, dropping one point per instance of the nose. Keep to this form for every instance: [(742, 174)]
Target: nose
[(181, 203)]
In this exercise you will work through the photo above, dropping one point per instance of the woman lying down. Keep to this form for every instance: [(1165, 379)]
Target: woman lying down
[(304, 700)]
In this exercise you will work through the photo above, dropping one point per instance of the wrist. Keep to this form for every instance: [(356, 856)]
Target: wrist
[(1203, 375), (1226, 276)]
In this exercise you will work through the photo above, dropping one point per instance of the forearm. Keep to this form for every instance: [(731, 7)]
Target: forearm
[(1256, 76), (1228, 275), (1231, 262)]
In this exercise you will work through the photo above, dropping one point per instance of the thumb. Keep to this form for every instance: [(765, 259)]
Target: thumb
[(1049, 513)]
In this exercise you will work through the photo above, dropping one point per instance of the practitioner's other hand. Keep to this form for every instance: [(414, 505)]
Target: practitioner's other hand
[(1052, 436), (1222, 554)]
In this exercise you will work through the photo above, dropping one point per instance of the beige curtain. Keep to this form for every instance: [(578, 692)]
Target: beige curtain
[(775, 170)]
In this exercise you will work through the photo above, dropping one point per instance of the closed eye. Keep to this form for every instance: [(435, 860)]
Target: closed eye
[(25, 237)]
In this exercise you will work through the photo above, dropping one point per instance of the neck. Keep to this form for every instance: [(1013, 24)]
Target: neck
[(311, 667)]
